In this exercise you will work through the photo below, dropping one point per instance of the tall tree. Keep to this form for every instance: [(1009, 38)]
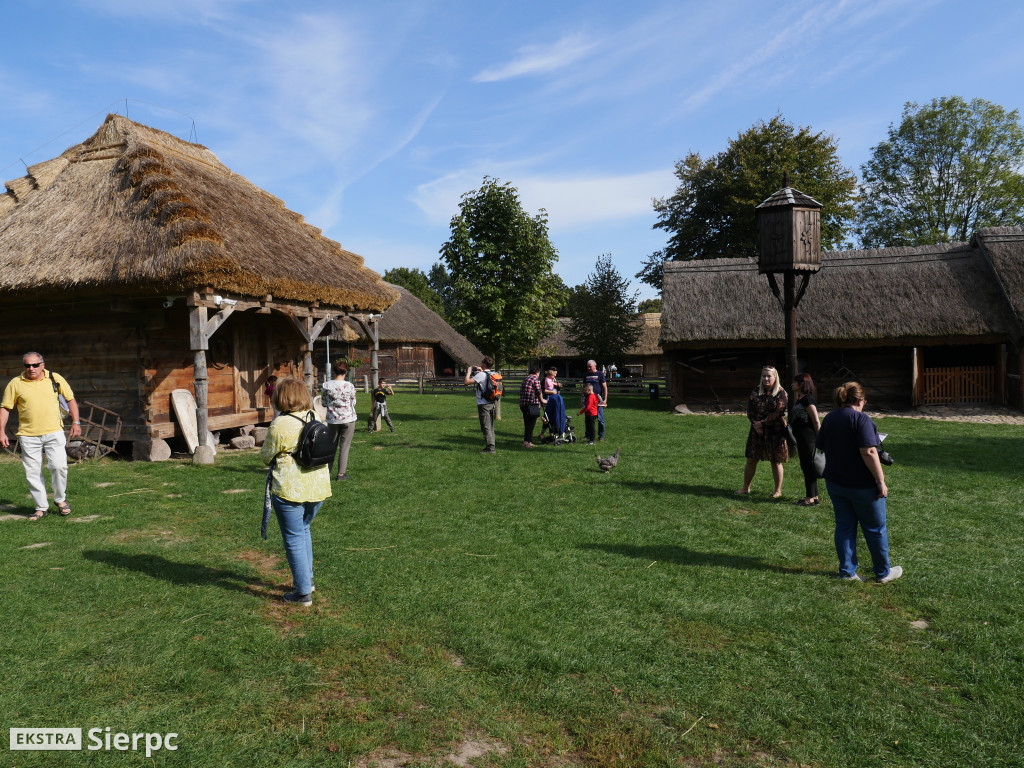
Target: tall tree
[(950, 168), (416, 282), (711, 213), (504, 292), (441, 282), (649, 305), (603, 314)]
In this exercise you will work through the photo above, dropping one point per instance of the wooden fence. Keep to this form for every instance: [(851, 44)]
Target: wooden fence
[(514, 379), (974, 384)]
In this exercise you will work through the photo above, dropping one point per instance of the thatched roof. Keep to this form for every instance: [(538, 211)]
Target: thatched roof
[(557, 344), (136, 211), (1004, 249), (409, 320), (893, 296)]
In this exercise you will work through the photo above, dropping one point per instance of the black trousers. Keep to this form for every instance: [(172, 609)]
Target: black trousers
[(805, 448), (529, 422)]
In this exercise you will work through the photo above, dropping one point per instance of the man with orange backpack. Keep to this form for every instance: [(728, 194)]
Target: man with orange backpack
[(488, 393)]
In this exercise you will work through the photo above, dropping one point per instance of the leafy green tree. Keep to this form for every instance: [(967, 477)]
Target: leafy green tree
[(712, 214), (504, 292), (416, 282), (603, 314), (948, 169), (649, 305)]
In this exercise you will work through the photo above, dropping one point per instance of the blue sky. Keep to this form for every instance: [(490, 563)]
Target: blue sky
[(372, 118)]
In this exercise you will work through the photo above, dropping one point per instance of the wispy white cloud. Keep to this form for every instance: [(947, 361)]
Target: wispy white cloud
[(809, 46), (537, 59), (571, 202)]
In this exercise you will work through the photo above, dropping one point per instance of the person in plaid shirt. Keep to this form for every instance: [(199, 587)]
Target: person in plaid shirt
[(531, 398)]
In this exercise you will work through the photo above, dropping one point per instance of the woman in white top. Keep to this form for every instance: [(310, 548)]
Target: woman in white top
[(339, 398)]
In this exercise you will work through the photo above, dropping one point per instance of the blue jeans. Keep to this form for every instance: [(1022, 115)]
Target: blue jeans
[(294, 518), (861, 506), (600, 421)]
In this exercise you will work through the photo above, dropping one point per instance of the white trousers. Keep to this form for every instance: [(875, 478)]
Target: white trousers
[(32, 450)]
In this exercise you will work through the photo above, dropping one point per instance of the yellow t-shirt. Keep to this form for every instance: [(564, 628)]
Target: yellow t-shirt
[(36, 403), (291, 481)]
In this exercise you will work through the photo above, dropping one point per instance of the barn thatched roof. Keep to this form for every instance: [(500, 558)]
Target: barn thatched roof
[(136, 211), (557, 344), (409, 320), (895, 295)]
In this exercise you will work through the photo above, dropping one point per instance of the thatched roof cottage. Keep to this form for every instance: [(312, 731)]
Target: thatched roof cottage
[(138, 263), (413, 341), (939, 323), (645, 358)]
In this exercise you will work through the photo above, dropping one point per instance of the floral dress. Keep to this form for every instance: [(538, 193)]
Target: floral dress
[(770, 445)]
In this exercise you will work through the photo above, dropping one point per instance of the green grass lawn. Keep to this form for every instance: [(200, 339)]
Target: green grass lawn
[(525, 607)]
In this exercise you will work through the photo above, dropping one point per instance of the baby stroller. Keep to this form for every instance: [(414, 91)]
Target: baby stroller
[(557, 422)]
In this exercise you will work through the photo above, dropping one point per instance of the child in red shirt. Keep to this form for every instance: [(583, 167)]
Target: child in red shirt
[(589, 410)]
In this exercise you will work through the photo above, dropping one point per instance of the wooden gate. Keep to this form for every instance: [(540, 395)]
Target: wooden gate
[(963, 384)]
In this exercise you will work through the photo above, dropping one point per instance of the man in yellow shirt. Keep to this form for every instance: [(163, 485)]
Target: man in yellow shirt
[(41, 430)]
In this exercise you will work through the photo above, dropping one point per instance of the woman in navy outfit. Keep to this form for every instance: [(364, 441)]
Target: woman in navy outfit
[(856, 484)]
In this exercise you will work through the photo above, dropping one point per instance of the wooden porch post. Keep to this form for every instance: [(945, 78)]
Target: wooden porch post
[(307, 353), (915, 378), (199, 341), (1001, 375), (370, 328)]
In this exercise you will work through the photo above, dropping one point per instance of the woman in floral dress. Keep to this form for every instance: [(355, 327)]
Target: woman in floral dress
[(766, 440)]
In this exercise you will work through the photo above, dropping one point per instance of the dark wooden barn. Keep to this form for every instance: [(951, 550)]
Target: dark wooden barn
[(138, 264), (930, 324), (413, 341)]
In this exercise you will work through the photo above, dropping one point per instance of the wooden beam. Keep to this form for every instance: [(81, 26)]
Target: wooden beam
[(299, 326), (197, 336), (201, 327), (317, 329)]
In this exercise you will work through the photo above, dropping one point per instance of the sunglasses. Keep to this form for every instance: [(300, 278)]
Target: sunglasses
[(33, 365)]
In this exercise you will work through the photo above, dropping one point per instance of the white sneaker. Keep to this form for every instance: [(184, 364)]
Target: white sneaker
[(853, 577), (894, 573)]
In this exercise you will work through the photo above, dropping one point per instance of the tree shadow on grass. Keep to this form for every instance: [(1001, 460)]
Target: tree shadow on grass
[(671, 553), (182, 574)]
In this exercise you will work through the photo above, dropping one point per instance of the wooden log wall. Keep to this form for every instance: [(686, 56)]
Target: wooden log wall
[(128, 356), (97, 350), (709, 379)]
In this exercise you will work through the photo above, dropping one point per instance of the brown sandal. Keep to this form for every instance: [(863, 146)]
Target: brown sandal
[(39, 514), (64, 508)]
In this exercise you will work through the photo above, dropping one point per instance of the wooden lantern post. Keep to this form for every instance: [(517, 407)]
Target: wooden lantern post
[(789, 241)]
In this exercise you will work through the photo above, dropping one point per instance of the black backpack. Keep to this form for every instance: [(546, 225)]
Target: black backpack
[(316, 447)]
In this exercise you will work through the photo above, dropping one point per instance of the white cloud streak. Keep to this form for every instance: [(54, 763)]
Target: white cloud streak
[(538, 60), (571, 203)]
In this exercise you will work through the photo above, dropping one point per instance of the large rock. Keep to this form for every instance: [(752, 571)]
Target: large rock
[(243, 441), (204, 454), (259, 434), (246, 429), (151, 450)]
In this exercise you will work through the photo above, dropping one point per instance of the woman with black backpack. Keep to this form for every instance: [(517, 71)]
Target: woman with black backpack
[(296, 491)]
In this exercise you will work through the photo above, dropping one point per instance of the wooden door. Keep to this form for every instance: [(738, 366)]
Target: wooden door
[(250, 345)]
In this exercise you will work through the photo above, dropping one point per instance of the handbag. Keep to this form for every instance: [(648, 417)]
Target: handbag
[(819, 462), (790, 437), (62, 402)]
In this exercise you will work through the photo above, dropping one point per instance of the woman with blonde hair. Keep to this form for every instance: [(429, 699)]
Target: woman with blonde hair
[(856, 484), (766, 440), (296, 492)]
